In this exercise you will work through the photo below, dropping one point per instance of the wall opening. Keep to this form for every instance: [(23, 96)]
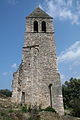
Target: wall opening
[(35, 26), (44, 26), (23, 97), (50, 90)]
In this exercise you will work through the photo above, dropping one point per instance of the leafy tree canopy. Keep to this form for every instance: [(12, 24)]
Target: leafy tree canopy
[(71, 96), (6, 92)]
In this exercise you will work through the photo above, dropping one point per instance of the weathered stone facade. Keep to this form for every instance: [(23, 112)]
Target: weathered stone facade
[(37, 80)]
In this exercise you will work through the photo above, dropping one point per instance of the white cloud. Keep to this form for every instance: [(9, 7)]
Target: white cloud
[(40, 6), (72, 54), (64, 9), (14, 65), (5, 73)]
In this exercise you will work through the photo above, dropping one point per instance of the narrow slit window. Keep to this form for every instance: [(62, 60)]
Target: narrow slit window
[(50, 90), (23, 97), (35, 26), (43, 26)]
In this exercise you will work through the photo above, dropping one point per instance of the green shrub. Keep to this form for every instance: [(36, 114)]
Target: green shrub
[(10, 111), (30, 118), (5, 116), (70, 90), (2, 114), (6, 92), (29, 108), (75, 107), (24, 109), (50, 109)]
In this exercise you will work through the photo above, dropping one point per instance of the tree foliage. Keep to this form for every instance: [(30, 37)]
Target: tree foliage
[(75, 107), (71, 96), (6, 92)]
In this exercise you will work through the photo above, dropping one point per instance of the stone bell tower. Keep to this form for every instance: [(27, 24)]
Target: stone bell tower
[(37, 80)]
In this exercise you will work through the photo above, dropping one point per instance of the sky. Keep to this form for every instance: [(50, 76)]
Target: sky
[(66, 19)]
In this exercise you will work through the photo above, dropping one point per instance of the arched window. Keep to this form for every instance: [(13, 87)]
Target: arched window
[(44, 26), (35, 26)]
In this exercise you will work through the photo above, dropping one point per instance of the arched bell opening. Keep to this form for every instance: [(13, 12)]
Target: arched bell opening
[(35, 26), (43, 26)]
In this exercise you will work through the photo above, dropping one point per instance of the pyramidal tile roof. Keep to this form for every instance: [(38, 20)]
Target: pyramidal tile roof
[(38, 12)]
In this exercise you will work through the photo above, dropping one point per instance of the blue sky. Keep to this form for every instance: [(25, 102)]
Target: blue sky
[(66, 14)]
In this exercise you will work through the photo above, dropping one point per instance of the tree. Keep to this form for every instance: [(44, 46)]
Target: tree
[(71, 95), (6, 92), (75, 107)]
